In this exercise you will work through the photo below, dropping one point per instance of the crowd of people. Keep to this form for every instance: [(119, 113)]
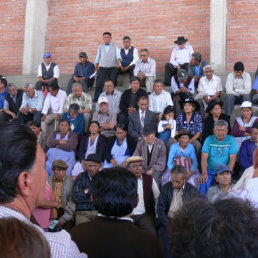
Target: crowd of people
[(172, 150)]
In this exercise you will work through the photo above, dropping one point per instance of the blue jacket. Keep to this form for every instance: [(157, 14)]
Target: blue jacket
[(77, 122), (246, 153)]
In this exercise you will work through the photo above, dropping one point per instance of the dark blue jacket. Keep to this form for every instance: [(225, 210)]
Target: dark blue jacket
[(246, 153), (85, 71)]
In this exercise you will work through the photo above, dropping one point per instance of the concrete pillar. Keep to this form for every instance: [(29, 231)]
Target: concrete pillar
[(34, 35), (218, 19)]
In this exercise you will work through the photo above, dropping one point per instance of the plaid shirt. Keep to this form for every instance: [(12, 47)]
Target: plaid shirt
[(60, 243), (194, 126), (84, 101)]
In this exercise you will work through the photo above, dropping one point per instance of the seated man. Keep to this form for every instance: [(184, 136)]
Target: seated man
[(144, 213), (182, 87), (129, 99), (209, 88), (153, 151), (12, 102), (3, 93), (219, 148), (255, 87), (32, 104), (145, 69), (195, 68), (129, 57), (113, 96), (140, 118), (55, 102), (112, 233), (159, 99), (85, 210), (48, 72), (180, 59), (238, 87), (82, 74), (247, 148), (107, 120), (62, 186), (83, 100)]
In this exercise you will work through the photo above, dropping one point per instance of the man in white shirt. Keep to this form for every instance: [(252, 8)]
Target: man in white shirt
[(209, 88), (55, 101), (238, 87), (48, 72), (145, 69), (159, 99), (144, 213), (180, 59), (129, 57), (23, 166)]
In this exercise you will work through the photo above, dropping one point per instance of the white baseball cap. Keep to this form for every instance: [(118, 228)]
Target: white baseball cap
[(102, 99), (246, 104)]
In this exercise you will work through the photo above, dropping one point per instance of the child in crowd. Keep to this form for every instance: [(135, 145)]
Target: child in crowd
[(167, 125)]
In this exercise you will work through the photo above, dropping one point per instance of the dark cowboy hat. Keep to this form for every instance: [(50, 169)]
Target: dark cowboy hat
[(212, 104), (183, 132), (192, 101), (148, 129), (180, 40)]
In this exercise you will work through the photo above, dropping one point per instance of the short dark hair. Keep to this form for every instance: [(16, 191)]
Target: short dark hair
[(239, 66), (17, 154), (74, 108), (134, 78), (197, 56), (54, 86), (114, 191), (64, 120), (126, 37), (145, 50), (159, 81), (226, 228), (122, 126), (107, 33), (3, 81), (143, 98), (179, 169), (94, 122), (35, 123), (109, 81)]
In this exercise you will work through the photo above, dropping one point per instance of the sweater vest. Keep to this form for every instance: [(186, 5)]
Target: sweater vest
[(186, 84), (107, 59), (148, 194), (127, 59), (15, 106), (47, 74)]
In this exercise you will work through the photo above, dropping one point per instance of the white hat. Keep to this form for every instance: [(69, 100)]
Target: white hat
[(102, 99), (246, 104)]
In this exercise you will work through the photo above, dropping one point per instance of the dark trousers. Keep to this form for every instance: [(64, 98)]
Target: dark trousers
[(129, 71), (170, 71), (103, 75), (4, 117), (145, 222), (85, 82), (35, 116), (40, 84)]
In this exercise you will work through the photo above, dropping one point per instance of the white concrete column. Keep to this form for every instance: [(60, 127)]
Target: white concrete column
[(34, 34), (218, 20)]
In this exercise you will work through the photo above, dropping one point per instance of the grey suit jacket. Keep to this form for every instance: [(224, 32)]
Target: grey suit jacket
[(191, 69), (68, 203), (158, 157), (134, 127)]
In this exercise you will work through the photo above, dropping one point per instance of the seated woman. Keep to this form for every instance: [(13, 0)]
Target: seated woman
[(75, 119), (119, 148), (62, 145), (42, 137), (93, 142), (223, 178), (215, 113), (183, 153), (243, 124), (192, 122)]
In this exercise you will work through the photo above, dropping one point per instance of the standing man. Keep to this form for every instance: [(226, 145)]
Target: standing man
[(3, 93), (48, 72), (55, 101), (180, 59), (32, 104), (107, 63), (238, 87), (129, 55), (82, 74), (145, 69)]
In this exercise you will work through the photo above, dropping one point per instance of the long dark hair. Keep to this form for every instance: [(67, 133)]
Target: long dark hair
[(168, 109)]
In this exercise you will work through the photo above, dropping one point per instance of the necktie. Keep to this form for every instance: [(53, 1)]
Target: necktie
[(142, 118)]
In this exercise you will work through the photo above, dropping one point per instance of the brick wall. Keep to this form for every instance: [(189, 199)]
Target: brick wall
[(76, 25), (12, 20), (242, 33)]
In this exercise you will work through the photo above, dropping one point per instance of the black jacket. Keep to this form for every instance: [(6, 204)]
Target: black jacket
[(166, 197)]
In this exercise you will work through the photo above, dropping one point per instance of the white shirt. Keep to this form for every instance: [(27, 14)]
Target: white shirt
[(140, 208), (55, 70), (209, 87), (56, 103), (241, 85), (172, 122), (157, 103), (135, 55), (177, 202), (181, 56), (149, 67)]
